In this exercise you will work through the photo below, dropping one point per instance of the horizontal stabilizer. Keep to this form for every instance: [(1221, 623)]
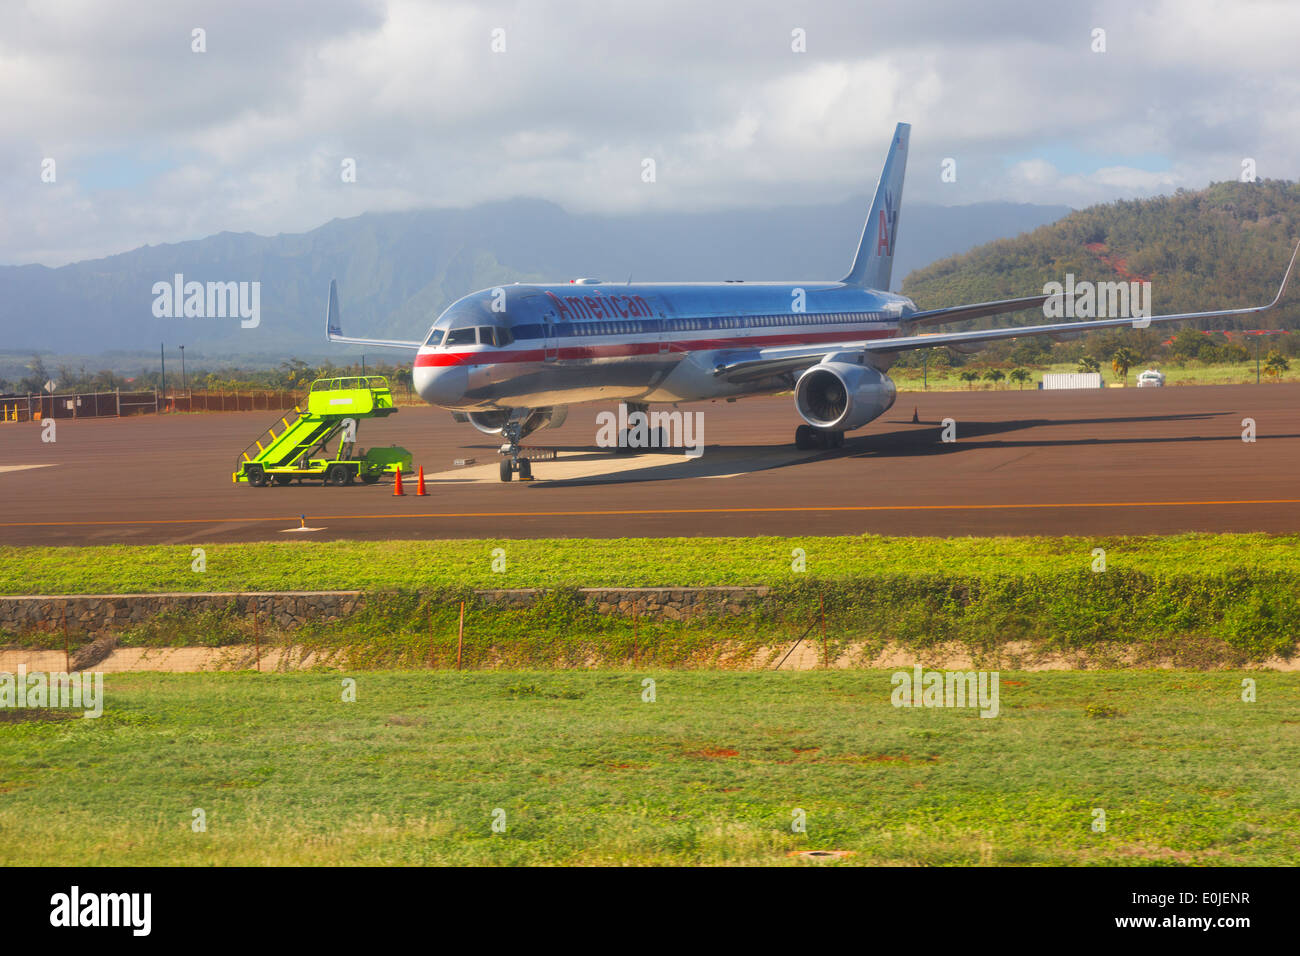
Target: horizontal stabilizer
[(334, 327)]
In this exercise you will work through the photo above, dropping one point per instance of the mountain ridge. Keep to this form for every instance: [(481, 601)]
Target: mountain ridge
[(398, 270)]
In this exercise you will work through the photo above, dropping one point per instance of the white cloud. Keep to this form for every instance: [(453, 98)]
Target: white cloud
[(252, 132)]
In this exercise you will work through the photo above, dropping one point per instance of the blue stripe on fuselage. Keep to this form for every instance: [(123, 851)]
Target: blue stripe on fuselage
[(704, 323)]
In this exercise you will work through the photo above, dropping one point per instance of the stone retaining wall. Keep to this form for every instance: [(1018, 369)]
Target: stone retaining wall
[(103, 613), (671, 604), (95, 614)]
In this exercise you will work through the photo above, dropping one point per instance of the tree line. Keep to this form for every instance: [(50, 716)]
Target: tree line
[(291, 375)]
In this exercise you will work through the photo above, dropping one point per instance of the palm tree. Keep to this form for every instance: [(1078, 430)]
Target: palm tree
[(295, 374), (968, 376), (1089, 364), (1123, 359), (1019, 375), (995, 375)]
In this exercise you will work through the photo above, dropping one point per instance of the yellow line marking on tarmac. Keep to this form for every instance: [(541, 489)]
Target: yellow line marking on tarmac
[(25, 467), (669, 511)]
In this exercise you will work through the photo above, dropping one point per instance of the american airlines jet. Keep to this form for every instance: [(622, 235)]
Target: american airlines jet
[(512, 359)]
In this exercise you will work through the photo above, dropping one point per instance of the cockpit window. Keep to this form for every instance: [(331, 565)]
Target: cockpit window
[(463, 336)]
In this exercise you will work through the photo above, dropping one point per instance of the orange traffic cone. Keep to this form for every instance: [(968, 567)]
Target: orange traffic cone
[(397, 483), (419, 483)]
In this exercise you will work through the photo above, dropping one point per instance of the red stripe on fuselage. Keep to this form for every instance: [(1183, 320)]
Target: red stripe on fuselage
[(501, 356)]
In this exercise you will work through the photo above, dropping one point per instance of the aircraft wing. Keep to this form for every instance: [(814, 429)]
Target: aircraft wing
[(334, 330), (764, 363)]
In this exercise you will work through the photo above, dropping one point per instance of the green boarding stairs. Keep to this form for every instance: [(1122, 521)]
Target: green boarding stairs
[(301, 450)]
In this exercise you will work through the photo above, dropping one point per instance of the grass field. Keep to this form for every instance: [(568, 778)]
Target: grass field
[(624, 562), (1190, 373), (711, 772)]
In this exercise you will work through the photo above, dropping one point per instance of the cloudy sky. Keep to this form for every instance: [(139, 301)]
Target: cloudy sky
[(154, 142)]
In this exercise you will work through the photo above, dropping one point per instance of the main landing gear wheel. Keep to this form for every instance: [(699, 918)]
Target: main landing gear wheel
[(525, 470), (506, 471)]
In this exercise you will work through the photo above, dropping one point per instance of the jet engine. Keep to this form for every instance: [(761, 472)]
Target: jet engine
[(839, 396), (492, 422)]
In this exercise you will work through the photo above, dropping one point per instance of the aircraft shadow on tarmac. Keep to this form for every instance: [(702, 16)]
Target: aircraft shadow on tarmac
[(921, 438), (971, 436), (671, 463)]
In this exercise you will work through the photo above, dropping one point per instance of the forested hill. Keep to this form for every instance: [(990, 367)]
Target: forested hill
[(1222, 247)]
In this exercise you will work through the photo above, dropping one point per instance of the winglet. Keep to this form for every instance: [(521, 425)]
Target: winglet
[(1285, 278), (875, 257)]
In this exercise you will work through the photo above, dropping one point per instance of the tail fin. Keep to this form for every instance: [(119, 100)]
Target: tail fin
[(875, 258)]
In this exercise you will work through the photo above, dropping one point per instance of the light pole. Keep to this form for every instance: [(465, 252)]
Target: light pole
[(183, 388)]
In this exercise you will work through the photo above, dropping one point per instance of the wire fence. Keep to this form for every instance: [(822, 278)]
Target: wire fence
[(121, 404), (232, 401)]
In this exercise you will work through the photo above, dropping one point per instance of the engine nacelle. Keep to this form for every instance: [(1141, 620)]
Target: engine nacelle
[(491, 423), (838, 396)]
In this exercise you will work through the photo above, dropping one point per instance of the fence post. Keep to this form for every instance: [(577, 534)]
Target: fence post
[(826, 651), (460, 634)]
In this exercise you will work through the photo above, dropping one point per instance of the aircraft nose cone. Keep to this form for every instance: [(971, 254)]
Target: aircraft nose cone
[(441, 385)]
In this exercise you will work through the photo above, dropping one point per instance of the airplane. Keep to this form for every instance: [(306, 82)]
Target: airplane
[(510, 360)]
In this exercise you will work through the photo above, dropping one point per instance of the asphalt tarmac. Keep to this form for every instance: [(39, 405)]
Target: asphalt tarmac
[(1103, 462)]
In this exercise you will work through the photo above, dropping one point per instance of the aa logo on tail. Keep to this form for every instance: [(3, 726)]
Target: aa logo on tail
[(888, 227)]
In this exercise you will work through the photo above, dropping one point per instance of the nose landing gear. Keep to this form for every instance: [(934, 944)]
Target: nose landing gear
[(523, 466), (512, 463)]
